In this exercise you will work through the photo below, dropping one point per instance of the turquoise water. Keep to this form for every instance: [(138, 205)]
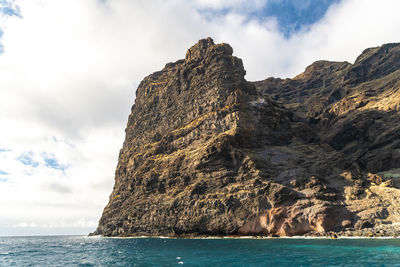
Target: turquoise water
[(83, 251)]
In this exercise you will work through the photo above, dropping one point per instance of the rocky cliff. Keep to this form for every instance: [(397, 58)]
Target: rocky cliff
[(208, 153)]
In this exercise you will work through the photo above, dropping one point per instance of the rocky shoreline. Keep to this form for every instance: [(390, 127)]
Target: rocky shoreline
[(388, 231), (381, 231)]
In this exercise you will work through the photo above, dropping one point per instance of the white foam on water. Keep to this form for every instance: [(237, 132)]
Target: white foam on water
[(253, 237), (136, 237), (93, 236), (365, 237)]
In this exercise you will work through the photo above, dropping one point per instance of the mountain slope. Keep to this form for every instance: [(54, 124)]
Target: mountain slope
[(353, 107)]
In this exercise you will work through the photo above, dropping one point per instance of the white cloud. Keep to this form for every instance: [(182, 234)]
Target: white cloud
[(38, 192), (70, 69), (232, 5), (81, 223), (346, 30)]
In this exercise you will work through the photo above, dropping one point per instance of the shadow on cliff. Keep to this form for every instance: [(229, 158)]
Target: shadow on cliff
[(370, 138)]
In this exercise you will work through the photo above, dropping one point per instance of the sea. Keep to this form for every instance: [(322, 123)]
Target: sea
[(100, 251)]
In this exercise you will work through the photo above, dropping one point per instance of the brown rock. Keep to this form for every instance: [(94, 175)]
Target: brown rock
[(208, 153), (374, 178), (352, 107), (299, 218)]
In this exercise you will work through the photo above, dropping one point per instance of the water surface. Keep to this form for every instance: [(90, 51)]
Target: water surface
[(84, 251)]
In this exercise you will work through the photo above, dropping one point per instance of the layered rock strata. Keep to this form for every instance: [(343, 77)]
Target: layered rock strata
[(208, 153)]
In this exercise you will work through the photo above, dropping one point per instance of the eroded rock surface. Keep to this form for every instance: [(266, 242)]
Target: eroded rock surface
[(208, 153)]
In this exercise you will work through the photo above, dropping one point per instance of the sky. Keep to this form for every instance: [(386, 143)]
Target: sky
[(69, 70)]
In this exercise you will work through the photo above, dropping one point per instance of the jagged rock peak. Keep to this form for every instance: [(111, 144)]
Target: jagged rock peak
[(198, 51), (378, 50), (375, 63), (320, 67)]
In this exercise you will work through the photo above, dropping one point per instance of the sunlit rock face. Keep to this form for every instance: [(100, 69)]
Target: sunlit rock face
[(208, 153)]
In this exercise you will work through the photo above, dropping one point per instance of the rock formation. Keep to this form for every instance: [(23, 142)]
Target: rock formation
[(208, 153)]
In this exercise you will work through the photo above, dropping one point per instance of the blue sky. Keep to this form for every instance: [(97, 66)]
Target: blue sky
[(10, 8), (69, 70), (293, 15)]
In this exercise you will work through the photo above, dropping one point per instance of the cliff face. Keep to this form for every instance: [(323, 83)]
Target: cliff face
[(353, 108), (207, 152)]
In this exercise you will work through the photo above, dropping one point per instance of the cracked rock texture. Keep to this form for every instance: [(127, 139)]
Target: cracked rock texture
[(208, 153)]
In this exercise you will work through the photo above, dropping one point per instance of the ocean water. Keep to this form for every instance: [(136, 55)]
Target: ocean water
[(96, 251)]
